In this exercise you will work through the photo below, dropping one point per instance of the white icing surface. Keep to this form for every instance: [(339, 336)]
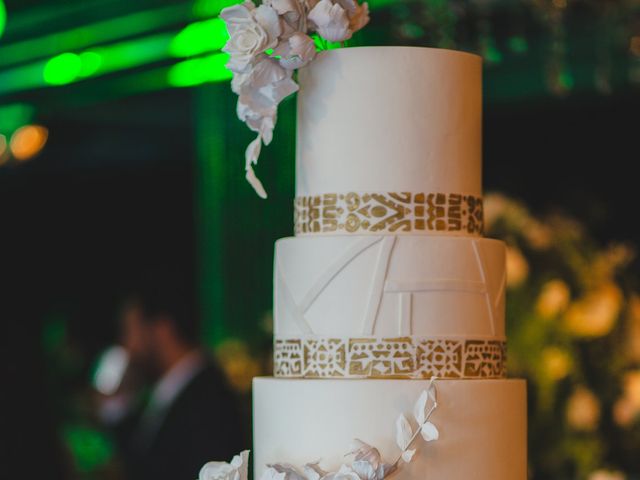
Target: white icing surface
[(482, 425), (351, 286), (390, 119)]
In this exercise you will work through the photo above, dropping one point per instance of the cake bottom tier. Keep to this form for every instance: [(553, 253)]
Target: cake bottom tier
[(482, 425)]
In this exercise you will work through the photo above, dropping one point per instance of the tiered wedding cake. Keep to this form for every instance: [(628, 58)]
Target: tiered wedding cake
[(388, 281)]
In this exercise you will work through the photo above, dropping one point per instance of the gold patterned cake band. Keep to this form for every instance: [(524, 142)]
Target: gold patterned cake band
[(388, 212), (412, 357)]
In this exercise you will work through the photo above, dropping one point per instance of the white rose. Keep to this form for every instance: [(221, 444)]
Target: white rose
[(251, 32), (295, 52), (236, 470), (330, 21)]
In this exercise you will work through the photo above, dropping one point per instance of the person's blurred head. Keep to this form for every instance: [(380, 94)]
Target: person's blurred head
[(159, 321)]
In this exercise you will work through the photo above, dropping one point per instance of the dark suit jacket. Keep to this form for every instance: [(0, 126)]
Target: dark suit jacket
[(203, 423)]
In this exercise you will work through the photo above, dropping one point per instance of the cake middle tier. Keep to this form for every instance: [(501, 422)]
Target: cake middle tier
[(384, 306), (374, 286)]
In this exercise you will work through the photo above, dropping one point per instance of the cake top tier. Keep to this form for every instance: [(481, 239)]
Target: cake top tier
[(390, 127)]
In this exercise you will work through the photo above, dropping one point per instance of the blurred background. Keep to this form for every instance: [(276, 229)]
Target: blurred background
[(120, 148)]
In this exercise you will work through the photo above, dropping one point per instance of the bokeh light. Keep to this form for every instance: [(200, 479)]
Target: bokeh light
[(28, 141), (199, 70), (199, 37), (3, 17), (62, 69)]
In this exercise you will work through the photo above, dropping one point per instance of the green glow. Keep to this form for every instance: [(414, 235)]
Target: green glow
[(3, 17), (22, 78), (14, 116), (69, 67), (210, 8), (132, 53), (62, 69), (518, 44), (199, 70), (90, 449), (566, 80), (100, 32), (198, 38), (90, 63)]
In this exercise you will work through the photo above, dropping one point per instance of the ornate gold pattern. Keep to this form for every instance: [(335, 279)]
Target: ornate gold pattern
[(388, 212), (402, 357)]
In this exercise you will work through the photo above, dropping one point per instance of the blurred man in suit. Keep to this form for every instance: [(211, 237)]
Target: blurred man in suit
[(188, 415)]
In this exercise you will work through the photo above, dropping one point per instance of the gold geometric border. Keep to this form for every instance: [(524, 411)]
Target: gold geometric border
[(388, 212), (403, 357)]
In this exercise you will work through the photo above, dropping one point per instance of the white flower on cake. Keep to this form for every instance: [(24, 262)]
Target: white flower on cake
[(260, 90), (338, 21), (266, 44), (295, 52), (293, 14), (367, 462), (251, 31), (236, 470), (422, 411)]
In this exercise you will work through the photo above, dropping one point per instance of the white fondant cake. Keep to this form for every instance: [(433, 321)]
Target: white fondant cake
[(388, 282), (482, 425), (390, 119)]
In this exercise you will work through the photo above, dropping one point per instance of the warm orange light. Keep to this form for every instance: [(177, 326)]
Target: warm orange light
[(28, 141)]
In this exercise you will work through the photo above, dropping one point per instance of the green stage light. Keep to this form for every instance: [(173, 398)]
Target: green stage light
[(62, 69), (199, 70), (90, 63), (210, 8), (3, 17), (132, 53), (199, 37), (109, 30)]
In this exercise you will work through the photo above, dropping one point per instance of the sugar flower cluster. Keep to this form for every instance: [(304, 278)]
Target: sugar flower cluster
[(367, 462), (267, 43)]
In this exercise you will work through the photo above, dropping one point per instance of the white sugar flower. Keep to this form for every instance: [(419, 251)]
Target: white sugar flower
[(337, 21), (272, 474), (263, 80), (236, 470), (287, 472), (260, 91), (368, 463), (345, 473), (293, 14), (365, 452), (295, 52), (331, 21), (251, 31)]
